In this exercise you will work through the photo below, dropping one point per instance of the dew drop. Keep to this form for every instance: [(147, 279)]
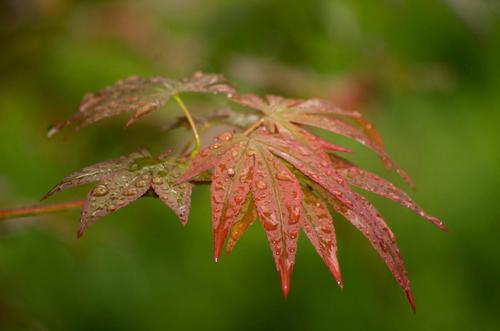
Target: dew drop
[(230, 171), (146, 176), (237, 230), (111, 207), (157, 180), (226, 136), (270, 225), (251, 152), (100, 190), (261, 185), (141, 183), (238, 199), (131, 191), (284, 176), (215, 146), (304, 151)]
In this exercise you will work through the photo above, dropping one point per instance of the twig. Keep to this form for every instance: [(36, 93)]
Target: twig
[(39, 209)]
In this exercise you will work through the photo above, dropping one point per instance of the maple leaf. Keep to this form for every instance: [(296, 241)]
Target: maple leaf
[(257, 166), (141, 96), (244, 166), (124, 180), (288, 113)]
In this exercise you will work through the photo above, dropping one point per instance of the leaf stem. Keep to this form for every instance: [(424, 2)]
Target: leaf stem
[(191, 123), (253, 127), (39, 209)]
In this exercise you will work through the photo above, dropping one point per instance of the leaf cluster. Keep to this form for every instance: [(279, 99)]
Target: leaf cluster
[(270, 167)]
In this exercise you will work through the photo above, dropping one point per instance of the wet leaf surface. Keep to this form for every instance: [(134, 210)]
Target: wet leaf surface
[(275, 171), (126, 179), (140, 96)]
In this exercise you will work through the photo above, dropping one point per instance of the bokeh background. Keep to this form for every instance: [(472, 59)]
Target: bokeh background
[(427, 72)]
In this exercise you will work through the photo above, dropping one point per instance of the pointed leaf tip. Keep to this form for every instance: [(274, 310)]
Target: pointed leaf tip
[(285, 272), (219, 239), (411, 300)]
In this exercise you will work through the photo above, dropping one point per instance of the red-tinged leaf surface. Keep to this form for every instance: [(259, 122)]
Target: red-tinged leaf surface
[(140, 96), (245, 218), (324, 115), (126, 179), (278, 196), (230, 186), (314, 165), (276, 193), (321, 106), (370, 182), (368, 220), (317, 223), (208, 157)]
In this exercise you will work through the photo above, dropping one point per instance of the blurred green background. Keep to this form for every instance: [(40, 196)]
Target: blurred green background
[(427, 72)]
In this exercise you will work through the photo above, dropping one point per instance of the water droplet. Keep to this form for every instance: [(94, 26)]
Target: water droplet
[(111, 207), (131, 191), (100, 190), (304, 151), (146, 176), (226, 136), (284, 176), (294, 218), (157, 180), (251, 152), (270, 225), (236, 230), (293, 234), (261, 185), (238, 199), (243, 178), (141, 183), (215, 146), (230, 171), (183, 186)]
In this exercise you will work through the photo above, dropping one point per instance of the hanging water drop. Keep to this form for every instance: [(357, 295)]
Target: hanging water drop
[(100, 190)]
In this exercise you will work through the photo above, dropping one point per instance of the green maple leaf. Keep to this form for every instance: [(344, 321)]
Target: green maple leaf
[(124, 180)]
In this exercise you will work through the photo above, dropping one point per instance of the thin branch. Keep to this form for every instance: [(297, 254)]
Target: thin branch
[(191, 123), (39, 209)]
